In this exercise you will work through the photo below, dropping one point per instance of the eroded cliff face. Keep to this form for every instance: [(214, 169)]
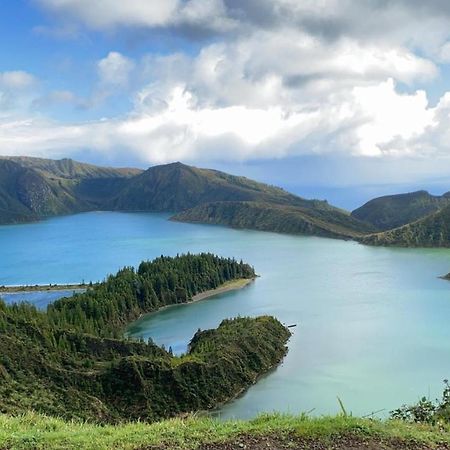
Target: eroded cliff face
[(35, 193)]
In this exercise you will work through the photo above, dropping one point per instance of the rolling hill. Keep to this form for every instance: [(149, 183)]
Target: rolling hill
[(393, 211), (431, 231), (175, 187), (32, 188), (280, 218)]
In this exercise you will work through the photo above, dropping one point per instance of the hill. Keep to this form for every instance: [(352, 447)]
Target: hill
[(32, 188), (393, 211), (280, 218), (25, 194), (44, 188), (72, 361), (175, 187), (431, 231)]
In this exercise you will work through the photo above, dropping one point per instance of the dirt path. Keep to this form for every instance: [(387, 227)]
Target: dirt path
[(340, 443)]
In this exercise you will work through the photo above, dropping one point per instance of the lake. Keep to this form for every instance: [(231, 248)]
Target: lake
[(372, 323)]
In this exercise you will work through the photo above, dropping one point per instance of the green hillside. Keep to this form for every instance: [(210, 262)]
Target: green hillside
[(73, 362), (279, 218), (431, 231), (32, 188), (25, 194), (176, 187), (45, 188), (393, 211)]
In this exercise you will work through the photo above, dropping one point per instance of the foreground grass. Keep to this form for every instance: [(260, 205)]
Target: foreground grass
[(34, 431)]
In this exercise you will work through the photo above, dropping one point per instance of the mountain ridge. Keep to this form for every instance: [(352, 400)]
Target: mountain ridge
[(66, 186), (430, 231), (392, 211)]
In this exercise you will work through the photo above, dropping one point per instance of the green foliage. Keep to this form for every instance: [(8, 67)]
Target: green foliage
[(431, 231), (176, 187), (393, 211), (31, 188), (40, 432), (310, 219), (425, 410), (107, 307), (72, 361), (45, 187)]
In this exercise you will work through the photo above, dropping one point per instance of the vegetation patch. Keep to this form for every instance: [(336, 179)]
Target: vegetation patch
[(278, 431), (71, 361)]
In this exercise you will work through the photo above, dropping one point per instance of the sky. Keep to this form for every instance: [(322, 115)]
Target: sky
[(336, 99)]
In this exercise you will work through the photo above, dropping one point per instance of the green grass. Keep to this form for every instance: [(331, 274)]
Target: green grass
[(40, 432)]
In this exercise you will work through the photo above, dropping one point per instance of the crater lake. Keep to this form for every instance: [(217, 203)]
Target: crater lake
[(372, 323)]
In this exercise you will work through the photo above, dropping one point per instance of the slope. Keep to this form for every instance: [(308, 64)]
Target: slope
[(393, 211), (211, 196), (431, 231), (280, 218), (32, 188), (176, 187), (66, 186)]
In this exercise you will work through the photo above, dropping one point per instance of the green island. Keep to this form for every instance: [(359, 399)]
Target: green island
[(73, 362)]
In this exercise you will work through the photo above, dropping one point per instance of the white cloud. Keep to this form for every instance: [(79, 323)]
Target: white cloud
[(104, 14), (281, 77), (114, 69), (16, 80), (389, 116), (444, 53), (365, 124), (109, 13)]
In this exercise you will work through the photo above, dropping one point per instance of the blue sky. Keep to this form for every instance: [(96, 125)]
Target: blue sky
[(342, 100)]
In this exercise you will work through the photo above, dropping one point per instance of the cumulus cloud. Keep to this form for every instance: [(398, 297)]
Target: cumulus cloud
[(15, 90), (108, 13), (178, 128), (280, 78), (115, 69)]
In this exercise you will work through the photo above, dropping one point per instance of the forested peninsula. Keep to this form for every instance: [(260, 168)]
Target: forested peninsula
[(72, 360)]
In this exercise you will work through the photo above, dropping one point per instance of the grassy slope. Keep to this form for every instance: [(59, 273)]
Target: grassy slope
[(176, 187), (392, 211), (278, 218), (31, 188), (40, 432), (47, 187), (431, 231), (68, 168)]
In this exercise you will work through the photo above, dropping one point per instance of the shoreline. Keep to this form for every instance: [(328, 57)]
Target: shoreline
[(11, 289), (232, 285)]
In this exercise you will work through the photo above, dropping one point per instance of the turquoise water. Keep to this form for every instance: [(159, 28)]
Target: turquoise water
[(372, 322), (38, 298)]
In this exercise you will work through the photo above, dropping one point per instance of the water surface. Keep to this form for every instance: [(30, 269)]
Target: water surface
[(372, 322), (38, 298)]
